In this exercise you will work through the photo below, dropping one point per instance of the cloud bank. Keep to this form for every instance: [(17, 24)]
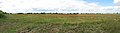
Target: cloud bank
[(62, 6), (117, 5)]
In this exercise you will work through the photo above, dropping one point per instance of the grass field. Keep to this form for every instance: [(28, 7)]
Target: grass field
[(56, 23)]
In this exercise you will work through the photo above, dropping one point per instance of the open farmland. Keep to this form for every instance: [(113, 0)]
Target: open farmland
[(60, 23)]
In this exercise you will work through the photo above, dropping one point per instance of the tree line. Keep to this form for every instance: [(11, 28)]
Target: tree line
[(62, 13), (1, 12)]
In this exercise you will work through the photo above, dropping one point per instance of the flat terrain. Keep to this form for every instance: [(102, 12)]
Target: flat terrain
[(59, 23)]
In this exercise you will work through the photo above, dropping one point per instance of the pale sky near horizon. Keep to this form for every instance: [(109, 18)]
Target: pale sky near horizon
[(60, 6)]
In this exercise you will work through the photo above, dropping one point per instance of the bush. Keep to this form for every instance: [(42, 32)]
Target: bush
[(1, 14)]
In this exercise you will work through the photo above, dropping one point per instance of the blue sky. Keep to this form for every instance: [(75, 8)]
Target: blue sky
[(102, 2)]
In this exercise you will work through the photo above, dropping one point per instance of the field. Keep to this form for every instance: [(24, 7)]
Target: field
[(60, 23)]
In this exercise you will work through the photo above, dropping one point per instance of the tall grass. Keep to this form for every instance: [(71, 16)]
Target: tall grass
[(53, 23)]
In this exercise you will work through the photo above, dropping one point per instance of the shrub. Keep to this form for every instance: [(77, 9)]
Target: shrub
[(1, 14)]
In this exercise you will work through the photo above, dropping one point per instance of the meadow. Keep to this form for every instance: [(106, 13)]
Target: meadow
[(60, 23)]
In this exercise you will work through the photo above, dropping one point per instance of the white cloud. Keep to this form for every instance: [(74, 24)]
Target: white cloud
[(117, 5), (116, 1), (14, 6)]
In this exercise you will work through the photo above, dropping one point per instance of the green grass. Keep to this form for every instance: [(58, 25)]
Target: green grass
[(53, 23)]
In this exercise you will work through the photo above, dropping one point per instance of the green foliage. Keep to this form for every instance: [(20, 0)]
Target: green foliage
[(1, 14)]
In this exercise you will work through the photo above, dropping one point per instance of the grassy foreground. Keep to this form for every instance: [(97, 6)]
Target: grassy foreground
[(53, 23)]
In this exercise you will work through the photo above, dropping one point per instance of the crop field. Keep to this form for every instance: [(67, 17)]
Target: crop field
[(60, 23)]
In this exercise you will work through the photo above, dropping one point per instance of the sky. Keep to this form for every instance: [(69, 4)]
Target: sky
[(60, 6), (102, 2)]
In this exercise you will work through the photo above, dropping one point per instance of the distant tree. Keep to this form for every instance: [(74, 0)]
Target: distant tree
[(35, 13), (20, 13), (98, 13), (81, 13), (43, 13), (29, 13), (55, 13), (75, 13), (117, 13), (48, 13), (9, 13)]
